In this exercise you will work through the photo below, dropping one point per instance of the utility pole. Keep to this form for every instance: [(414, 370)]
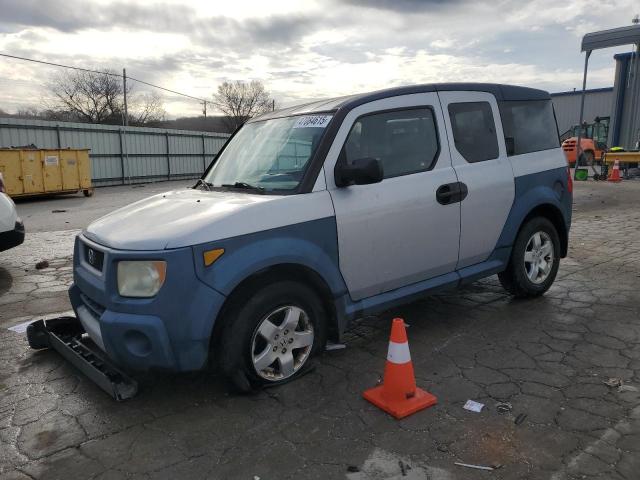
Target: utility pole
[(273, 105), (124, 89), (204, 110)]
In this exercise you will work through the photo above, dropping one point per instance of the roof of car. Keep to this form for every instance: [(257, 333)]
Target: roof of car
[(501, 92)]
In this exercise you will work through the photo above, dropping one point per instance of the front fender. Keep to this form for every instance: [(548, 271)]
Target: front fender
[(311, 244)]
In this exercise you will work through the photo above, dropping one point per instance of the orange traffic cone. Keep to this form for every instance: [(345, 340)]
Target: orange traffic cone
[(615, 173), (398, 394)]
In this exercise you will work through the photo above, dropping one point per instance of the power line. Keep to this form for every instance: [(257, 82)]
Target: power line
[(104, 73), (166, 89), (59, 65)]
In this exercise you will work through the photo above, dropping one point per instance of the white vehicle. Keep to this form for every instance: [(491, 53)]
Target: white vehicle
[(318, 214), (11, 227)]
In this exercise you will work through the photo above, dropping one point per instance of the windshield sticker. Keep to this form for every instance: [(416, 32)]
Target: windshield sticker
[(312, 121)]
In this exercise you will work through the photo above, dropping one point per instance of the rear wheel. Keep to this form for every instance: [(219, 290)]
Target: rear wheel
[(587, 158), (270, 335), (534, 261)]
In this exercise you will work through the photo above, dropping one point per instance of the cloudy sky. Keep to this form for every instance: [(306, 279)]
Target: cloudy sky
[(306, 49)]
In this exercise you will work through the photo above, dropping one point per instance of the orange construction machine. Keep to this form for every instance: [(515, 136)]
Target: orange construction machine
[(593, 141)]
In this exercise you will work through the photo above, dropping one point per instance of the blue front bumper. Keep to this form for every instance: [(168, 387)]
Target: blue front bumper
[(170, 331)]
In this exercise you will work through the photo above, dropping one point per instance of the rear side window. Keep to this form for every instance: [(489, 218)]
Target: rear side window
[(529, 126), (474, 130), (405, 141)]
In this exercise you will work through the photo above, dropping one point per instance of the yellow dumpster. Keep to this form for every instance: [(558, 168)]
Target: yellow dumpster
[(29, 172)]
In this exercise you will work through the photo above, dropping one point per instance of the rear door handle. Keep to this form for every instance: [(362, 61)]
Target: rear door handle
[(451, 193)]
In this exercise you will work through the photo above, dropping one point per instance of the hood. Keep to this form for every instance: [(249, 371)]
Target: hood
[(178, 218)]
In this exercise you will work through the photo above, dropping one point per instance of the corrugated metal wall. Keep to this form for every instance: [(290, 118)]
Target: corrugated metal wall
[(121, 154), (625, 124), (597, 103)]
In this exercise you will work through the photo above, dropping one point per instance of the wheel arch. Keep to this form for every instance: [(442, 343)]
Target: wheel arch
[(554, 215), (545, 194), (274, 273)]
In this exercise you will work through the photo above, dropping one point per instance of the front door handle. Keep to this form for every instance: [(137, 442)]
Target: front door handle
[(451, 193)]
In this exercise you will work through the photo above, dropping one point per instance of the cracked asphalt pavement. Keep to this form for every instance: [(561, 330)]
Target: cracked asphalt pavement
[(549, 358)]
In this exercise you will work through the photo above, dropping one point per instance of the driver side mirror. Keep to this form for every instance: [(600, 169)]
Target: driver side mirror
[(362, 171)]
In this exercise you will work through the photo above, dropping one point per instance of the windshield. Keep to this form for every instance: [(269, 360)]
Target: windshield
[(270, 154), (586, 132)]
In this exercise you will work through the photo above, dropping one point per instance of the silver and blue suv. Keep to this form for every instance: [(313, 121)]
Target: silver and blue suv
[(314, 215)]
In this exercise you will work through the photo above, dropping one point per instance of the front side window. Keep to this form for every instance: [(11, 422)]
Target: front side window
[(269, 155), (474, 131), (404, 141), (532, 126)]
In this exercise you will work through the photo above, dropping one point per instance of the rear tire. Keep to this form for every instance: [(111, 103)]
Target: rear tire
[(587, 159), (535, 259), (270, 335)]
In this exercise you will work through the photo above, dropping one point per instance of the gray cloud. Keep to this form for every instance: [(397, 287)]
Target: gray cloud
[(343, 52), (422, 39), (73, 15), (402, 6), (39, 14)]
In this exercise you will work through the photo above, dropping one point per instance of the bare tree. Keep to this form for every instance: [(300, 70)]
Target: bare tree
[(29, 112), (99, 98), (239, 101), (146, 109), (90, 97)]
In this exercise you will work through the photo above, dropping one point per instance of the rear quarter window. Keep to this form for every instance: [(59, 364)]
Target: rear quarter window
[(474, 131), (529, 126)]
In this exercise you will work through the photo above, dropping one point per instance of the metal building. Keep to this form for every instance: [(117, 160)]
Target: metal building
[(121, 155), (624, 130), (598, 103)]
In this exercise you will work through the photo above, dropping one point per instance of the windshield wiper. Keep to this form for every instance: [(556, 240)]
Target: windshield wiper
[(206, 185), (244, 185)]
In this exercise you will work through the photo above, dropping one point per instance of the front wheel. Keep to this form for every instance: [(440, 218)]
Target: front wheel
[(534, 261), (271, 334)]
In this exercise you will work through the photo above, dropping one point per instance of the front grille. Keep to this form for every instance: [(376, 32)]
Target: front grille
[(94, 257)]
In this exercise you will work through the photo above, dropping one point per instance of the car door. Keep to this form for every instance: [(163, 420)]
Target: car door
[(479, 157), (395, 233)]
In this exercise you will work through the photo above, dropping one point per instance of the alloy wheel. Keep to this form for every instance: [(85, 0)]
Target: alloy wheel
[(538, 257), (282, 343)]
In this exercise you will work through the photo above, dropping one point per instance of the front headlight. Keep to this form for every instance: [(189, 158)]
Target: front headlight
[(141, 279)]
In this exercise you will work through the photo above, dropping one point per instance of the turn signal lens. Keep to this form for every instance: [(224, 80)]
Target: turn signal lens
[(211, 256)]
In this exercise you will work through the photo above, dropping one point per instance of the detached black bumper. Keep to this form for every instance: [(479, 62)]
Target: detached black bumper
[(65, 335), (12, 238)]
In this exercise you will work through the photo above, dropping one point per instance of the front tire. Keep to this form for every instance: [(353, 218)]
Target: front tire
[(270, 335), (535, 259)]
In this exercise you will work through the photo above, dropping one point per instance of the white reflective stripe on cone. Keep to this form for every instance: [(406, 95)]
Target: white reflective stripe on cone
[(398, 353)]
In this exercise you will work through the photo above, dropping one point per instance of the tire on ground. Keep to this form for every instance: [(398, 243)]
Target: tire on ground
[(514, 278), (587, 159), (244, 315)]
